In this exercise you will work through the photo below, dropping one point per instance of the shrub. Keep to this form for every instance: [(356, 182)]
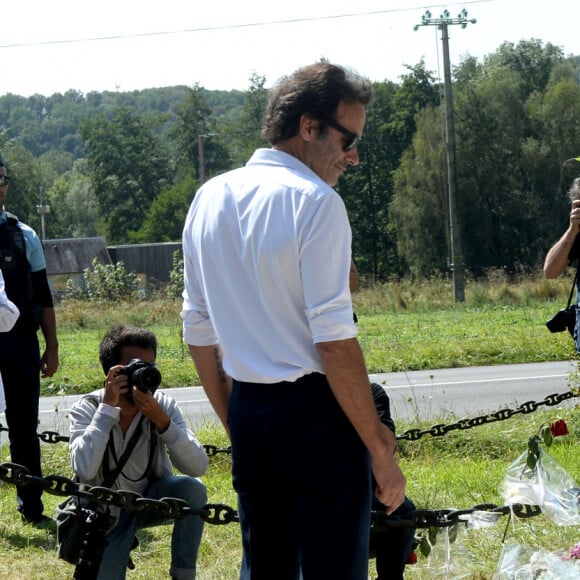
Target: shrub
[(175, 285), (106, 282)]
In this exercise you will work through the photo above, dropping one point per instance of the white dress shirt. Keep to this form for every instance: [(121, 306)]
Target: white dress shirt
[(267, 251)]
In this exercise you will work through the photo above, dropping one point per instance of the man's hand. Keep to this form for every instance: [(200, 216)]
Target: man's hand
[(49, 362), (391, 483), (116, 384), (575, 216), (148, 405)]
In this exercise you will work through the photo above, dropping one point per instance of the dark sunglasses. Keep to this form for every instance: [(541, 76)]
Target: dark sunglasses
[(353, 138), (4, 179)]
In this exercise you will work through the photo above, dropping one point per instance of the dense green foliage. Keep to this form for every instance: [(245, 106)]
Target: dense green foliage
[(126, 165)]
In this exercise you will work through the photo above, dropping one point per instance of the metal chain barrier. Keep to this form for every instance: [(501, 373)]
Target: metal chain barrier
[(220, 514), (127, 500), (410, 434)]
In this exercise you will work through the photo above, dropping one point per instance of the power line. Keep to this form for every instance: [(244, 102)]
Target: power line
[(232, 26)]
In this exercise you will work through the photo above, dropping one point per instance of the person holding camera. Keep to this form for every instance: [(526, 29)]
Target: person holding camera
[(131, 423), (567, 250)]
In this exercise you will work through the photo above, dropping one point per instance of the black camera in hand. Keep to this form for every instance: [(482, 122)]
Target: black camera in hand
[(563, 319), (145, 376)]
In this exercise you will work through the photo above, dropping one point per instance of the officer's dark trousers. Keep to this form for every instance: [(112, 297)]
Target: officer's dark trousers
[(393, 545), (20, 368), (303, 481)]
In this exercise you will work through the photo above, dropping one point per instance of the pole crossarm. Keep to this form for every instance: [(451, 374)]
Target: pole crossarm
[(445, 18)]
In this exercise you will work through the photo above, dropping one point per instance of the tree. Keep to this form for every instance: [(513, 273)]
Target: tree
[(164, 222), (391, 123), (25, 184), (195, 127), (530, 58), (128, 168), (419, 210), (246, 130), (73, 206)]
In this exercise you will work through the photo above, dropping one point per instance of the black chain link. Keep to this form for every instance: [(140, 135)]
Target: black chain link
[(462, 424), (212, 450)]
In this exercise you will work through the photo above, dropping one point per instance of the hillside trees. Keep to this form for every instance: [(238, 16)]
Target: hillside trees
[(418, 209), (129, 173), (516, 119)]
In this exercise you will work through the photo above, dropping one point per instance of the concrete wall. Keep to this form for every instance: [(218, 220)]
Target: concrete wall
[(73, 255), (155, 261)]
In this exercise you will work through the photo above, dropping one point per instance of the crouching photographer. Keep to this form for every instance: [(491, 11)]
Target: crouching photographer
[(131, 436)]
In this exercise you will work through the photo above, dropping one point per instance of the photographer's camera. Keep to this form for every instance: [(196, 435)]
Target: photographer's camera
[(562, 320), (145, 376)]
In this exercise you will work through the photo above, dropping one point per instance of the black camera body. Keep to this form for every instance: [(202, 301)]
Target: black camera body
[(563, 319), (143, 375)]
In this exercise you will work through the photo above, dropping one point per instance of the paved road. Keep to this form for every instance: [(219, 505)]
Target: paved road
[(444, 394)]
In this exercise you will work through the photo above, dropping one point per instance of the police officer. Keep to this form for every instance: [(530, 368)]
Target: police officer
[(24, 268)]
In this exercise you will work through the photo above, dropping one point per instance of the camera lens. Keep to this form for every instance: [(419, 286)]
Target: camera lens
[(146, 378)]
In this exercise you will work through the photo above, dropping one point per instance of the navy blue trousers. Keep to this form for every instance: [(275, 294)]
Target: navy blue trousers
[(20, 368), (302, 476)]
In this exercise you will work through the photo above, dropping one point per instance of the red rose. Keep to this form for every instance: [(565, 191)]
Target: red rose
[(412, 558), (559, 428)]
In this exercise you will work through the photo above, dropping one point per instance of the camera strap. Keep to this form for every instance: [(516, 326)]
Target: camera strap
[(573, 286), (111, 475)]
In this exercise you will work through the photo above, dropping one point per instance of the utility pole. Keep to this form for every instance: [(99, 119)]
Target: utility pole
[(201, 153), (43, 210), (456, 260)]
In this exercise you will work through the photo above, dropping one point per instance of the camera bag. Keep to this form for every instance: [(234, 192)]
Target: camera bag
[(70, 517)]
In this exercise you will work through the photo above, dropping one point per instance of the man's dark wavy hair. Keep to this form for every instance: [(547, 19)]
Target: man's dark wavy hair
[(120, 336), (314, 90)]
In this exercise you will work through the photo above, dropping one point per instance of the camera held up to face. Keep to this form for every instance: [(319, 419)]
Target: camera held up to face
[(143, 375)]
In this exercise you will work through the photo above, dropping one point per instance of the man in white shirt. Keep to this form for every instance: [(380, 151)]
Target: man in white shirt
[(267, 315)]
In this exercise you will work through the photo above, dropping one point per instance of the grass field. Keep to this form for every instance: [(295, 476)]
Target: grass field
[(402, 326)]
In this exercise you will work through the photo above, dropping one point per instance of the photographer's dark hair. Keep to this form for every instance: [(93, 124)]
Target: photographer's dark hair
[(120, 336), (314, 90)]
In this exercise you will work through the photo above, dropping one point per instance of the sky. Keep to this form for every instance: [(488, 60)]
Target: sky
[(125, 45)]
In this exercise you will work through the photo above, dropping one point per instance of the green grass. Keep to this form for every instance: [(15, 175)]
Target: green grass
[(457, 471), (403, 326)]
